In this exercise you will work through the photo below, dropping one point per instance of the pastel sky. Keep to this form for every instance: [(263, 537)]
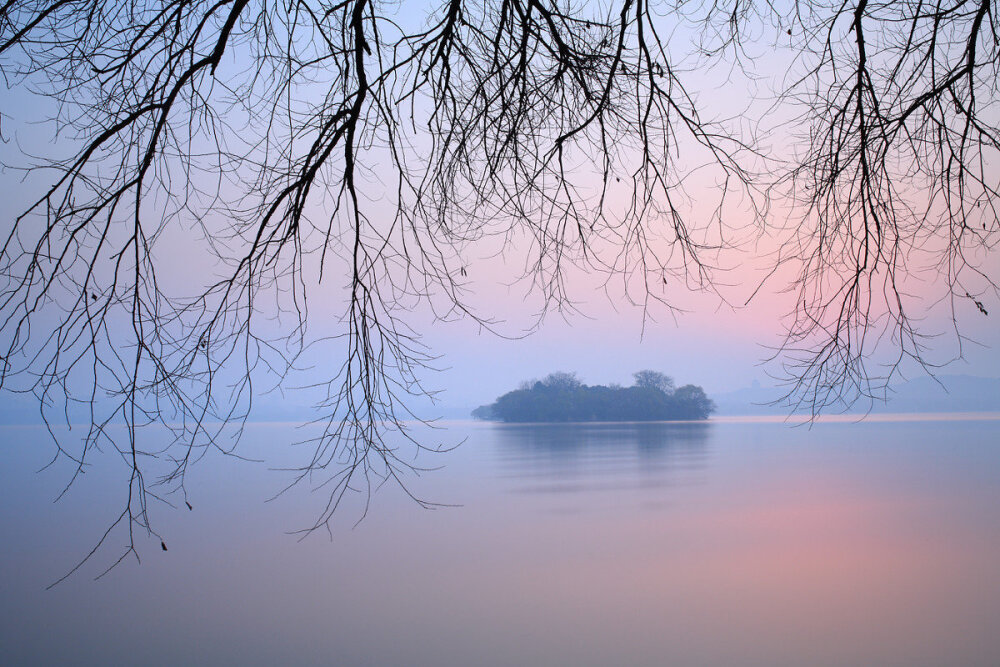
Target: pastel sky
[(719, 341)]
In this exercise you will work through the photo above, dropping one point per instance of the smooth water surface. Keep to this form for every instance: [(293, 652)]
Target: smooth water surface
[(731, 543)]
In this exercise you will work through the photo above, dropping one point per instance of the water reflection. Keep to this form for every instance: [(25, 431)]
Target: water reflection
[(586, 545), (580, 458)]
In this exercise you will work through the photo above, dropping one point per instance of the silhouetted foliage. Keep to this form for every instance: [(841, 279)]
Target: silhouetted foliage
[(654, 380), (556, 400)]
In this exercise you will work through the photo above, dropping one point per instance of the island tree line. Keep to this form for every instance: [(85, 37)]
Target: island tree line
[(562, 397)]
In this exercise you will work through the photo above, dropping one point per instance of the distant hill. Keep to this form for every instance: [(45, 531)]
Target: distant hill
[(946, 393)]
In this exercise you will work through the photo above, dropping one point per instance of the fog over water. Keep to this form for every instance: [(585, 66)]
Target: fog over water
[(720, 543)]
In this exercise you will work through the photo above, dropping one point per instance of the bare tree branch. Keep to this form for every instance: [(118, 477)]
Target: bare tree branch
[(283, 148)]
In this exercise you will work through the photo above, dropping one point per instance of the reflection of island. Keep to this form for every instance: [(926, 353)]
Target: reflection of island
[(588, 457), (561, 397), (567, 441)]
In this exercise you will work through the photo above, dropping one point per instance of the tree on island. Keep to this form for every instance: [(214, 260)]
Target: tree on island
[(204, 164), (561, 397), (654, 380)]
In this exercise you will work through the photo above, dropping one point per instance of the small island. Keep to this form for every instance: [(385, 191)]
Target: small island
[(561, 397)]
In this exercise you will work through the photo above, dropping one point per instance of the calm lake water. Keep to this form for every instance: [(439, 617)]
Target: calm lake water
[(726, 543)]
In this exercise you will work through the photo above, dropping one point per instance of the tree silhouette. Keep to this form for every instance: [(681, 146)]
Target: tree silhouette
[(894, 178), (274, 144), (654, 380), (561, 397)]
